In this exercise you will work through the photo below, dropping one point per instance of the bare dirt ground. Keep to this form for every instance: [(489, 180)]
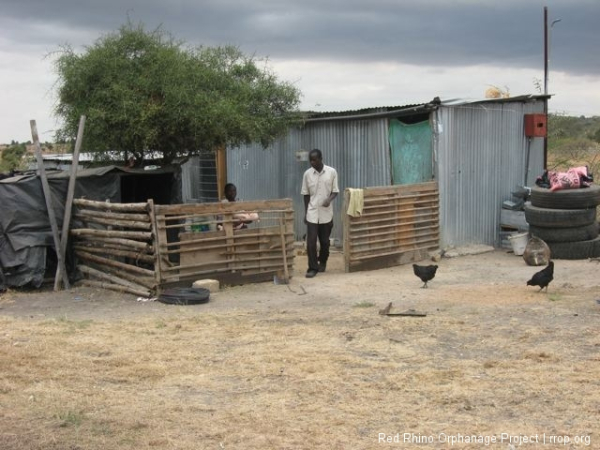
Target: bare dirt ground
[(493, 364)]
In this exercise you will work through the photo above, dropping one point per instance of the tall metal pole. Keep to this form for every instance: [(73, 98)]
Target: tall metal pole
[(546, 85), (545, 50)]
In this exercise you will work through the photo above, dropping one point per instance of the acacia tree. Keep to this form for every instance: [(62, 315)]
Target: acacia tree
[(142, 91)]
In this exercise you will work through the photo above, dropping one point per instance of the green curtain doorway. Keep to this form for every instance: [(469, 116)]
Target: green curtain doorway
[(411, 150)]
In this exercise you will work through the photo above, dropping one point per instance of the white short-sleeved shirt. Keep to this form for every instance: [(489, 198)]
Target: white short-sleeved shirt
[(319, 185)]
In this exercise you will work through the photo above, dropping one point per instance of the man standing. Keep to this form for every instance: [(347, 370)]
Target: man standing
[(319, 188)]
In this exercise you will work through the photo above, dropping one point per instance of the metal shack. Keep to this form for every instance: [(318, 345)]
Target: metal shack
[(476, 151)]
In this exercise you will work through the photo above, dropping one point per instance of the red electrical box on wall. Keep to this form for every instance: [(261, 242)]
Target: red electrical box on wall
[(535, 125)]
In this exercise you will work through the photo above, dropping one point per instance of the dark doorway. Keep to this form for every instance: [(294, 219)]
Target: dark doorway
[(139, 188)]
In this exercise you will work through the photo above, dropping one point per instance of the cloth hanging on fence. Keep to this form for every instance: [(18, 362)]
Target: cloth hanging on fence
[(356, 203)]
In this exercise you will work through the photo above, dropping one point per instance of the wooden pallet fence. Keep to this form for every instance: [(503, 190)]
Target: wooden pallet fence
[(196, 241), (399, 225), (113, 245)]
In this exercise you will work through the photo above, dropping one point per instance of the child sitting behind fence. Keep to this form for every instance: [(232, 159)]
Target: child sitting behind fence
[(241, 219)]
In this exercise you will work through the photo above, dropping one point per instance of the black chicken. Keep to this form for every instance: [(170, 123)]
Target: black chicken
[(425, 273), (543, 277)]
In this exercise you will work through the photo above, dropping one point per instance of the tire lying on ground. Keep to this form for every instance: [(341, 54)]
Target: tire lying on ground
[(575, 250), (581, 198), (184, 296), (572, 234), (559, 218)]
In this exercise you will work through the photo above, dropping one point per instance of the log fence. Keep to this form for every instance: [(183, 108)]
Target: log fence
[(399, 224), (113, 245), (142, 248), (200, 241)]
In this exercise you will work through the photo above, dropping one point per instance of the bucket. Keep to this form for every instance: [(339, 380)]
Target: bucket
[(518, 243)]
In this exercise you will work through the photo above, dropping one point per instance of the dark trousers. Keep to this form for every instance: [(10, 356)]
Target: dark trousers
[(320, 232)]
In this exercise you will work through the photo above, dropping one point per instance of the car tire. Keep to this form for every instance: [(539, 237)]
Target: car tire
[(575, 250), (572, 234), (582, 198), (184, 296), (559, 218)]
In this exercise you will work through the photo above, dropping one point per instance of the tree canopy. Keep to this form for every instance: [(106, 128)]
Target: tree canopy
[(142, 91)]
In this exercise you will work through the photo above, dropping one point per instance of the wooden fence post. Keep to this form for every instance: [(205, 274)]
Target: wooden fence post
[(69, 202), (48, 197)]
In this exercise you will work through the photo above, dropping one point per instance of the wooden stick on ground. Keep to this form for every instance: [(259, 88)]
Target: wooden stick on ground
[(116, 287)]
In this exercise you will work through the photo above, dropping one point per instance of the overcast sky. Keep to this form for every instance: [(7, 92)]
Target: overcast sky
[(342, 55)]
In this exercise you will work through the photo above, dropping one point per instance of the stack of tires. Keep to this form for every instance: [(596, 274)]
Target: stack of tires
[(566, 220)]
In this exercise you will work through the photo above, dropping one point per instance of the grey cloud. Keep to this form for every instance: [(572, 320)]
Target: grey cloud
[(431, 32)]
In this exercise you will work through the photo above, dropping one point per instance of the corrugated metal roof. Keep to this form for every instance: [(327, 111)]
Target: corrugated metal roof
[(410, 109)]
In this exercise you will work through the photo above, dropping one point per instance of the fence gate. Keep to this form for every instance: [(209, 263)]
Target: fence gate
[(195, 241), (399, 225)]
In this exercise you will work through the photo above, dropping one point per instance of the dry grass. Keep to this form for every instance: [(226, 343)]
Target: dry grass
[(298, 380)]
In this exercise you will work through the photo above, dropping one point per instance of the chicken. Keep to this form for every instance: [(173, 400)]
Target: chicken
[(425, 273), (543, 277)]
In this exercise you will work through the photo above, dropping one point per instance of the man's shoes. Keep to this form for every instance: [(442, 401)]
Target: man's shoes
[(322, 267), (311, 273)]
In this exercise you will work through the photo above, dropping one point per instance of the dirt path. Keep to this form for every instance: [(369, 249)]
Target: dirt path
[(485, 280)]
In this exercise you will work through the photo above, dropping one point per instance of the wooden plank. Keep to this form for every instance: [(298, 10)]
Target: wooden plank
[(394, 190), (372, 202), (108, 277), (69, 202), (220, 208), (116, 287), (132, 235), (135, 217), (346, 230), (115, 243), (86, 256), (112, 222), (381, 262), (188, 248), (372, 210), (116, 251), (107, 206), (48, 198), (395, 239), (157, 267), (191, 256), (394, 226), (160, 243), (286, 278), (273, 268), (396, 252)]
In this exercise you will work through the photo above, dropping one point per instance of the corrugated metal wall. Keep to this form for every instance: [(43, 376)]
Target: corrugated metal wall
[(481, 151), (357, 149)]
